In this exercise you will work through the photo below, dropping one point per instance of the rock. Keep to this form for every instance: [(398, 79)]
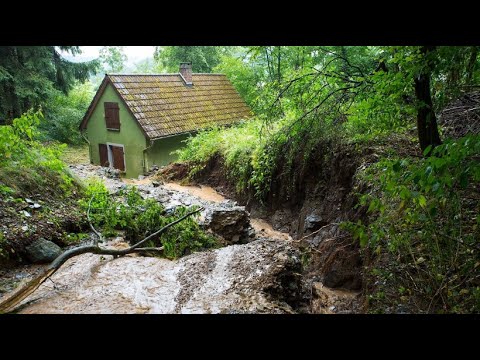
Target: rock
[(156, 183), (30, 201), (24, 227), (42, 251), (35, 206), (232, 224), (26, 213), (313, 222)]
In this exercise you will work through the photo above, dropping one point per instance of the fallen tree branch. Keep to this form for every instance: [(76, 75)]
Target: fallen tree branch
[(19, 295)]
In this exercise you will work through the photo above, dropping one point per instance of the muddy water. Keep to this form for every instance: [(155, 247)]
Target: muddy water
[(203, 192), (231, 279), (227, 280), (262, 228)]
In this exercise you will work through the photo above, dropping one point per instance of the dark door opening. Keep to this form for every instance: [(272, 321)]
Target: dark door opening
[(118, 157)]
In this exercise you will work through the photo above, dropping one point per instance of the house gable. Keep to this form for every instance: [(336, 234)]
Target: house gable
[(96, 100), (130, 135)]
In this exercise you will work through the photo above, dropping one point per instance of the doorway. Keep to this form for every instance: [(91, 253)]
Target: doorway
[(116, 156)]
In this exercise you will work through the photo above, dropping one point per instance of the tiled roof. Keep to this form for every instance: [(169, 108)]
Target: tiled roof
[(163, 105)]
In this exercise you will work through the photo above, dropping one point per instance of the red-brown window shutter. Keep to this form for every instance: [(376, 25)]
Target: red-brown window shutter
[(112, 117)]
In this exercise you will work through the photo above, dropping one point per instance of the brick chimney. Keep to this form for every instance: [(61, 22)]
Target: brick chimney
[(186, 72)]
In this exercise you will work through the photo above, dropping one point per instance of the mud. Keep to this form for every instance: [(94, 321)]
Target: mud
[(263, 276), (227, 280)]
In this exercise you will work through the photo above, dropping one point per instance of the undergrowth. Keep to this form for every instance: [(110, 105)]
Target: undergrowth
[(137, 218), (32, 169), (26, 164), (423, 238), (256, 154)]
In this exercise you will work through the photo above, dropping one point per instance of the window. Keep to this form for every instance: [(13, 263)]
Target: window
[(112, 117)]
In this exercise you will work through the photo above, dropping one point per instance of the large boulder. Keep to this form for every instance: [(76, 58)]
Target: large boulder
[(232, 224), (42, 251)]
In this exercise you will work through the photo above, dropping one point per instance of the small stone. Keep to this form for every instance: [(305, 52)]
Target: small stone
[(332, 308), (25, 227), (26, 213), (313, 222), (43, 251), (30, 201), (35, 206), (156, 183)]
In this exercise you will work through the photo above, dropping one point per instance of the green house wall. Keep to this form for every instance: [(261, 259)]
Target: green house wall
[(140, 154), (130, 134), (159, 153)]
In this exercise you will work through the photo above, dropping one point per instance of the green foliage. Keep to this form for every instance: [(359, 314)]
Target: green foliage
[(113, 57), (64, 113), (24, 161), (75, 238), (31, 75), (203, 58), (245, 75), (138, 218), (253, 152), (425, 215)]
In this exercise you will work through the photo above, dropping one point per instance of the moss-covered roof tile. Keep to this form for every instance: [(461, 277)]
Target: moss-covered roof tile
[(164, 106)]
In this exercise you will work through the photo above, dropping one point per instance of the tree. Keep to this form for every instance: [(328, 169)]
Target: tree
[(145, 66), (203, 58), (29, 75), (63, 113), (114, 57), (427, 127)]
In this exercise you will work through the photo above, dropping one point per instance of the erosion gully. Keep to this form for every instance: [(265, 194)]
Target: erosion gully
[(262, 276)]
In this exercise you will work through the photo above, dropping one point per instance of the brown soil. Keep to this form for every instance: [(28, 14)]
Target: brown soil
[(172, 172), (22, 225)]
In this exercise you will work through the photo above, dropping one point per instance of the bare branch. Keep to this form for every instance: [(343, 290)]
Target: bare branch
[(13, 300)]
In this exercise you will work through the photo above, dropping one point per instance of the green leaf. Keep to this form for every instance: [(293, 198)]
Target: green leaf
[(422, 201), (427, 150)]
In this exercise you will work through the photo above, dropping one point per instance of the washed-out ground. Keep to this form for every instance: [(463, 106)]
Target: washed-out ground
[(263, 276)]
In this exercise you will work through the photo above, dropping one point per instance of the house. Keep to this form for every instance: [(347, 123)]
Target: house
[(136, 121)]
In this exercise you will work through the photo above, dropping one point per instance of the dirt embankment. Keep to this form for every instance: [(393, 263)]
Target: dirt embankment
[(309, 206)]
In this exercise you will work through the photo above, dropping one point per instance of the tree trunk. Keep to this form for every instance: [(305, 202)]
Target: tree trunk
[(426, 120)]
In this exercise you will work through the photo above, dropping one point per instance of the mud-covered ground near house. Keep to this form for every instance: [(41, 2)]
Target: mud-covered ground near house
[(265, 275)]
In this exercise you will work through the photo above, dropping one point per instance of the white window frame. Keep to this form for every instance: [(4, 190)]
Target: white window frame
[(110, 155)]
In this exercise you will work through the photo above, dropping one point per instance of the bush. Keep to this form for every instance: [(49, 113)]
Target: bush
[(426, 222), (138, 218), (254, 152), (27, 163)]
